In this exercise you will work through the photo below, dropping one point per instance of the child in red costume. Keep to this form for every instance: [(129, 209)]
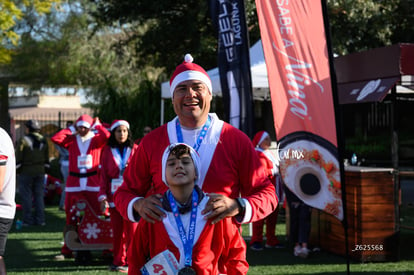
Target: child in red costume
[(184, 232), (115, 157), (262, 142)]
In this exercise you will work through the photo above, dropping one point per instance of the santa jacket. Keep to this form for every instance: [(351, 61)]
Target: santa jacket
[(227, 251), (229, 166), (85, 179), (110, 169)]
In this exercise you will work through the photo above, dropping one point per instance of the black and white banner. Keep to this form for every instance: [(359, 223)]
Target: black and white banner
[(229, 18)]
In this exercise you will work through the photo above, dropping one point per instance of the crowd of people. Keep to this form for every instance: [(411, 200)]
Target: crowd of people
[(168, 193)]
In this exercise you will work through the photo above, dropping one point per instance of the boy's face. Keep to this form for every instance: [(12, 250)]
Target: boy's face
[(180, 171)]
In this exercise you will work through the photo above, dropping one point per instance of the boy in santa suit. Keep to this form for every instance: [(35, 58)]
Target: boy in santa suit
[(184, 231), (84, 148), (262, 143), (115, 158)]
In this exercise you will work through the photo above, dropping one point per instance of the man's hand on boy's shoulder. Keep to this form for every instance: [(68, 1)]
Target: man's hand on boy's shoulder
[(219, 207), (149, 208)]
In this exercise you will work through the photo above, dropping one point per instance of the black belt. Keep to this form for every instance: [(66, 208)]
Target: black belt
[(83, 175)]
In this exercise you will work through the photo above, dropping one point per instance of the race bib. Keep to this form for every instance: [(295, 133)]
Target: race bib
[(164, 263), (115, 183), (85, 162)]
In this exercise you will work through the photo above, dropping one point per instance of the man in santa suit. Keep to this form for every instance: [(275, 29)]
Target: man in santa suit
[(262, 143), (184, 232), (231, 173), (84, 148)]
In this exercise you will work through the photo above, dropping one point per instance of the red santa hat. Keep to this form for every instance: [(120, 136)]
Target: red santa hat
[(84, 121), (259, 137), (117, 123), (189, 71)]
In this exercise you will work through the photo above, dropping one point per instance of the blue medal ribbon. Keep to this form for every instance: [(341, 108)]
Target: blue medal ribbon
[(188, 242), (122, 159), (200, 137)]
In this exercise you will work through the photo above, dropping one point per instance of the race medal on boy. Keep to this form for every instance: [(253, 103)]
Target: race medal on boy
[(188, 270), (187, 241)]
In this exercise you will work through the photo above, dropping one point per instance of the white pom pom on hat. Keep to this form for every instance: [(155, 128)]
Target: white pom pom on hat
[(189, 71)]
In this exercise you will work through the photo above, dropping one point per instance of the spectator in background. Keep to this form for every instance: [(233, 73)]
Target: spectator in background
[(115, 157), (84, 148), (32, 159), (146, 131), (7, 192), (64, 168), (262, 143), (300, 223)]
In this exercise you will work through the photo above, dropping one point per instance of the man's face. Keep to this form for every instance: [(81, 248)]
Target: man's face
[(191, 101), (82, 130), (180, 171)]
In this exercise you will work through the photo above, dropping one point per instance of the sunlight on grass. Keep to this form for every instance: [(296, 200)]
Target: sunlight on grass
[(30, 251)]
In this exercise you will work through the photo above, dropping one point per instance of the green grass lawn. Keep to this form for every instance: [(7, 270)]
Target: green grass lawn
[(31, 251)]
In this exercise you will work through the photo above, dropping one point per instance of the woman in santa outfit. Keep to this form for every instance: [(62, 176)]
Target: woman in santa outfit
[(84, 147), (115, 157), (184, 240), (262, 143)]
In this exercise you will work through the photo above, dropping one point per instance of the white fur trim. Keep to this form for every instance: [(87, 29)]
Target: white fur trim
[(83, 124), (191, 75), (264, 135), (119, 123)]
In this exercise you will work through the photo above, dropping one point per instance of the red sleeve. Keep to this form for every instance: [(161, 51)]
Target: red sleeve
[(102, 136), (256, 187), (139, 248), (234, 254), (142, 176), (137, 181), (62, 138)]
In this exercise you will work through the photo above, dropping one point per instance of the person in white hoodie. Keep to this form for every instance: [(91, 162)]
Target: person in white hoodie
[(7, 191)]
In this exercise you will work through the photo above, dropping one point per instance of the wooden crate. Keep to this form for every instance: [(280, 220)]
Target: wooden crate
[(373, 217)]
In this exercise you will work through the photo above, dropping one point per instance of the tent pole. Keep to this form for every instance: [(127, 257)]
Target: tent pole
[(162, 112)]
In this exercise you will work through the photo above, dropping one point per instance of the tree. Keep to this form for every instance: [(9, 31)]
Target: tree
[(11, 12), (366, 24)]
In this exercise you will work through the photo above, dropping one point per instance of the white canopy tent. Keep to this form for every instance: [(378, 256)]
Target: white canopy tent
[(260, 83)]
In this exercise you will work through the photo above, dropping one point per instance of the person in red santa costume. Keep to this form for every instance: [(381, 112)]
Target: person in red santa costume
[(185, 232), (230, 171), (115, 157), (84, 146), (53, 188), (262, 143)]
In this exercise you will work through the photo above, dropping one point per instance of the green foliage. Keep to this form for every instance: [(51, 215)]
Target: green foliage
[(11, 13), (30, 251), (366, 24)]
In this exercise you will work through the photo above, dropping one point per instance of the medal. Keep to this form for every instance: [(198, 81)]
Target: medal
[(188, 270)]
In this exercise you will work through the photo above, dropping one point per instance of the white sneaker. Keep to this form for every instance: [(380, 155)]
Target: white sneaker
[(296, 250), (303, 252)]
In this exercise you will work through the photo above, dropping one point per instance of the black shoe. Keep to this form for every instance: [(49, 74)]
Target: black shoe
[(83, 257)]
